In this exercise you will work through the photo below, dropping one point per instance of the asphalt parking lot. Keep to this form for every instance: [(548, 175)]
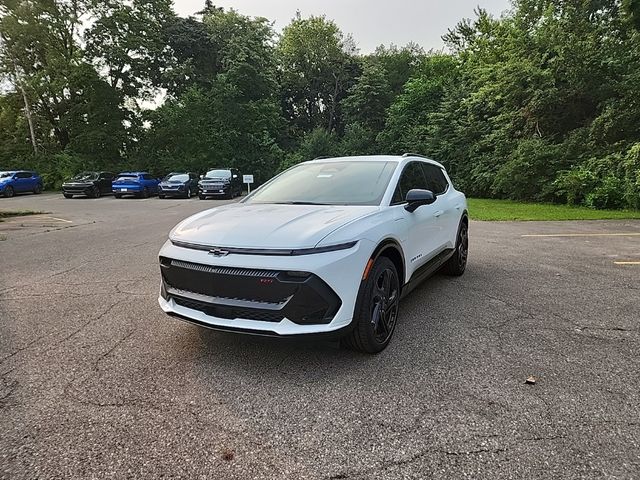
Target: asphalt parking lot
[(96, 382)]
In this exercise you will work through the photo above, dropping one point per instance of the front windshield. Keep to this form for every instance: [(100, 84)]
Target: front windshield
[(176, 177), (86, 176), (218, 174), (328, 183), (6, 174)]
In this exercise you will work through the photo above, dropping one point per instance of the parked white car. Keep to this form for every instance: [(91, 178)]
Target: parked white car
[(326, 247)]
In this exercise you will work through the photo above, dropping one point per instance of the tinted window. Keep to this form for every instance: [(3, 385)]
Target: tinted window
[(329, 183), (179, 177), (24, 175), (412, 177), (146, 176), (218, 174), (435, 178)]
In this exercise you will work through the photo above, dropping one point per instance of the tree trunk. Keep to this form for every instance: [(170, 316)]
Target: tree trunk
[(27, 111)]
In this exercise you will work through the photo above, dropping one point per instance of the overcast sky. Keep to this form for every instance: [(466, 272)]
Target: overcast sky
[(371, 22)]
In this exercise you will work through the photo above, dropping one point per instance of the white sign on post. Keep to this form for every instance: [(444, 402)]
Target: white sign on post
[(248, 179)]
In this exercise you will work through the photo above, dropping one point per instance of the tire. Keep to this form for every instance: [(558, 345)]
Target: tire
[(117, 195), (202, 197), (145, 192), (38, 189), (67, 195), (161, 197), (96, 192), (457, 264), (8, 192), (376, 311)]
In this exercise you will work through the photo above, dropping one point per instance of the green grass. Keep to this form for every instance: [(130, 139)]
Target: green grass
[(16, 213), (504, 210)]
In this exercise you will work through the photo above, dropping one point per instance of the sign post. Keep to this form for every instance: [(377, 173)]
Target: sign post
[(248, 179)]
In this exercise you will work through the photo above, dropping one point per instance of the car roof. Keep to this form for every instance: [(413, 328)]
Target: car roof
[(376, 158), (133, 173)]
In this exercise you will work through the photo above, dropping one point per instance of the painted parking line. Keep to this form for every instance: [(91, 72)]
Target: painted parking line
[(61, 220), (627, 263), (626, 234)]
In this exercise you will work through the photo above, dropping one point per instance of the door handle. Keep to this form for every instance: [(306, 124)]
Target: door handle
[(438, 213)]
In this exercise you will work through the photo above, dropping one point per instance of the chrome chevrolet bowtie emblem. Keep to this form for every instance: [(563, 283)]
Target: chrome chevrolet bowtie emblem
[(218, 252)]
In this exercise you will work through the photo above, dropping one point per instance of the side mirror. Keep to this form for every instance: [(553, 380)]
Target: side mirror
[(418, 197)]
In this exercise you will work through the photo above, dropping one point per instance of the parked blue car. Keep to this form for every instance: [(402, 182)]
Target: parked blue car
[(139, 184), (19, 181)]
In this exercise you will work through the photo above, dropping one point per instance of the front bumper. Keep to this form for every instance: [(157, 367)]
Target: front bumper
[(214, 190), (264, 295), (172, 192), (84, 189)]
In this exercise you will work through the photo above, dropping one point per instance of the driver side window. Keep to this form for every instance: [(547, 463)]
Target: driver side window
[(412, 177)]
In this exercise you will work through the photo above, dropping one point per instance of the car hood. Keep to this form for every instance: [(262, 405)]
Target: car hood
[(266, 225)]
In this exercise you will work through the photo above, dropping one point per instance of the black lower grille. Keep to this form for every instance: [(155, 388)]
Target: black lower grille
[(229, 313), (253, 294)]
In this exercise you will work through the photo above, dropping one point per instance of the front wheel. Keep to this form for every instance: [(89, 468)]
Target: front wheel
[(67, 195), (457, 264), (376, 311), (117, 195), (201, 197), (96, 192), (8, 192)]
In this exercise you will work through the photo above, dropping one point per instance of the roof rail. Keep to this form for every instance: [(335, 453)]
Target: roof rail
[(409, 154)]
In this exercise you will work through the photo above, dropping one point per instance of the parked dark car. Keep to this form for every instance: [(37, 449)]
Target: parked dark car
[(139, 184), (177, 184), (19, 181), (220, 182), (91, 184)]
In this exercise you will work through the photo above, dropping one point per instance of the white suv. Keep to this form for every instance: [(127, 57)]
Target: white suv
[(326, 247)]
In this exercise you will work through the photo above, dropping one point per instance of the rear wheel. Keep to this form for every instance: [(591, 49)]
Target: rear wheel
[(37, 189), (145, 192), (376, 310), (457, 264), (8, 192)]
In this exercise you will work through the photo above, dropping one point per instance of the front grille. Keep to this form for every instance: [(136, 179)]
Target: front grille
[(254, 294), (229, 313), (198, 267)]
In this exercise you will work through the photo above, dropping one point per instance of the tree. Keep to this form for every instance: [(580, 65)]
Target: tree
[(316, 71), (369, 98)]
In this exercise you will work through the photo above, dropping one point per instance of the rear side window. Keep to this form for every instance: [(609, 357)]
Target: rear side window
[(412, 177), (435, 178), (24, 175), (146, 176)]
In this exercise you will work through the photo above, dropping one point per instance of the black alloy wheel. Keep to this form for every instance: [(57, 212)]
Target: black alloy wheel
[(38, 189), (457, 264), (96, 192), (384, 305), (377, 306), (8, 192)]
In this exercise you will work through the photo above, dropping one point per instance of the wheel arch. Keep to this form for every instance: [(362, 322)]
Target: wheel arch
[(391, 249)]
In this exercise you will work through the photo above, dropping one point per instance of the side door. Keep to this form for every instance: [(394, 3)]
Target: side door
[(23, 182), (446, 212), (149, 182), (104, 182), (424, 239)]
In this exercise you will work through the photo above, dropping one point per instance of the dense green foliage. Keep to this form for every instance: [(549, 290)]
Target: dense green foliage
[(541, 104)]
